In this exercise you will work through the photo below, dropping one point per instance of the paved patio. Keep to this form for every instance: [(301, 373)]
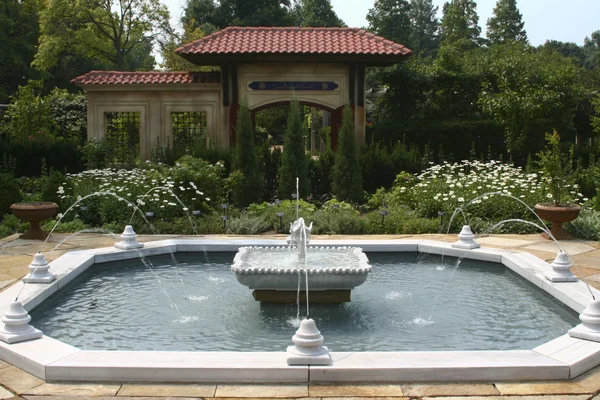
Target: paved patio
[(16, 255)]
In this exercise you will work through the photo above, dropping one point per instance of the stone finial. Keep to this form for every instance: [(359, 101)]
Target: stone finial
[(466, 239), (128, 240), (39, 271), (308, 346), (561, 269), (589, 329), (16, 326)]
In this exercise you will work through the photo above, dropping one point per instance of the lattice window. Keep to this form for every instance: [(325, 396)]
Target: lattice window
[(123, 135), (189, 129)]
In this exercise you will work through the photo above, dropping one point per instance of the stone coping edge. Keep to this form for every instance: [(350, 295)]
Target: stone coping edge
[(52, 360)]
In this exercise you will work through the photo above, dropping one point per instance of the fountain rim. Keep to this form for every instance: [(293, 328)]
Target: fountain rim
[(49, 359)]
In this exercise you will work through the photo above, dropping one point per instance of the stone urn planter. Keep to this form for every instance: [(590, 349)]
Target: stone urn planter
[(34, 213), (557, 215)]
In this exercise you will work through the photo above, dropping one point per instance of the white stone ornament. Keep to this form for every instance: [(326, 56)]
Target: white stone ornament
[(16, 326), (308, 346), (128, 240), (561, 269), (589, 329), (466, 239), (39, 271)]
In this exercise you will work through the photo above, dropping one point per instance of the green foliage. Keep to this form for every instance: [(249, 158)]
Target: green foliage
[(50, 183), (315, 13), (380, 163), (247, 189), (11, 224), (294, 163), (346, 173), (586, 225), (269, 161), (341, 220), (506, 25), (391, 19), (75, 225), (425, 25), (117, 32), (321, 174), (10, 192), (460, 22), (248, 225), (557, 169), (524, 87), (224, 13), (19, 32)]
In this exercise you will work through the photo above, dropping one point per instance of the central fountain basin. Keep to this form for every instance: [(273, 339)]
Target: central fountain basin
[(276, 273)]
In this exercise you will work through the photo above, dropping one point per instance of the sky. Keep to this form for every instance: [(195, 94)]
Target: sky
[(563, 20)]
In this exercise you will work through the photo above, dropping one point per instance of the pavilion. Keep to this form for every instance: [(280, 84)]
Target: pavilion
[(262, 67)]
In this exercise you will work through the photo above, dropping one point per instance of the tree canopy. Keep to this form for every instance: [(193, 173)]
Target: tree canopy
[(118, 33), (391, 19), (316, 13), (460, 21), (224, 13), (506, 24)]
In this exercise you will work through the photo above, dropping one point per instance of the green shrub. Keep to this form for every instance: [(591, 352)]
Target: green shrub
[(248, 225), (338, 221), (248, 189), (346, 175), (9, 193), (586, 226), (294, 162)]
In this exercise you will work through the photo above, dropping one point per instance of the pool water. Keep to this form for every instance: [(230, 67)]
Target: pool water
[(193, 302)]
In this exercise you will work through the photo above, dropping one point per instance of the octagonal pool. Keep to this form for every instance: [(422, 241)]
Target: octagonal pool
[(192, 302)]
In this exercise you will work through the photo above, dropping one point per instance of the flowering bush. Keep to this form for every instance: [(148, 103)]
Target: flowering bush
[(488, 192), (168, 192)]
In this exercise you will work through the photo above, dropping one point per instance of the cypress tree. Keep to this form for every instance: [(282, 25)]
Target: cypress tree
[(346, 174), (248, 184), (293, 159), (460, 21)]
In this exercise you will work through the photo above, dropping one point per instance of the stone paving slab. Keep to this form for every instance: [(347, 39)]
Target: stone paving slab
[(167, 390), (5, 394), (262, 391), (67, 397), (554, 397), (572, 247), (590, 380), (523, 389), (475, 389), (355, 391), (496, 241), (75, 389), (18, 381)]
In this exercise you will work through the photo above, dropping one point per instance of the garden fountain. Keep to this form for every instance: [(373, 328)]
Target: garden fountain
[(272, 272)]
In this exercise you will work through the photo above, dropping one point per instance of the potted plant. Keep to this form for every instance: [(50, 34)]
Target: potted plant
[(557, 170), (34, 213)]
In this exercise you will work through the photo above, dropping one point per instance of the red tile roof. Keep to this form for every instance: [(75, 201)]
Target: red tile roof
[(293, 40), (149, 77)]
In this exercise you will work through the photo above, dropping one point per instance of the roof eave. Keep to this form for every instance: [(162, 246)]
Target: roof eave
[(367, 59)]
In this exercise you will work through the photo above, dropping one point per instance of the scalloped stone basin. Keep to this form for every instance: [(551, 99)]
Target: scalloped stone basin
[(276, 268)]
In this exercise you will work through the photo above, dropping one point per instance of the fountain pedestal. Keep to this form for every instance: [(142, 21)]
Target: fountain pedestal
[(291, 296)]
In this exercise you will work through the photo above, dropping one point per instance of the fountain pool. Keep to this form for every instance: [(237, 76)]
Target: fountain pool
[(365, 343)]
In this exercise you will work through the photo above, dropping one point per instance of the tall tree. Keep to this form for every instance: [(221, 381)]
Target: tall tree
[(18, 39), (506, 24), (425, 26), (118, 32), (224, 13), (247, 187), (526, 87), (391, 19), (293, 159), (316, 13), (591, 47), (346, 174), (460, 21)]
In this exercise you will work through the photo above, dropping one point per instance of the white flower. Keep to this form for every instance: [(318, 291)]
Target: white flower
[(59, 215), (549, 195), (207, 199), (461, 200), (185, 208)]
